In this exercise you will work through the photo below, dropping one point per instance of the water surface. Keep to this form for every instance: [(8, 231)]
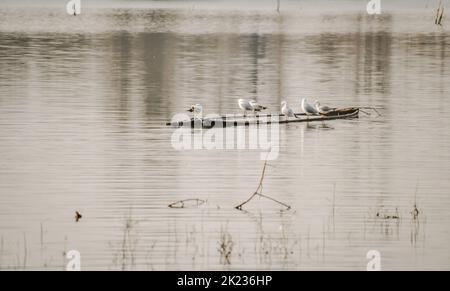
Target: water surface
[(84, 100)]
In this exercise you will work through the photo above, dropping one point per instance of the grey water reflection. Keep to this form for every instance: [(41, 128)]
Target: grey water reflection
[(83, 103)]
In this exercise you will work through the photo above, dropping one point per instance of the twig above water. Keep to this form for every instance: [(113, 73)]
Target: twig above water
[(368, 108), (259, 190)]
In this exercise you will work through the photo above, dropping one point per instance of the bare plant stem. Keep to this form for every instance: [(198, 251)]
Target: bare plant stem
[(225, 247), (275, 200), (370, 108), (124, 243), (439, 14), (180, 203), (415, 212), (1, 251), (365, 112), (259, 190), (25, 250)]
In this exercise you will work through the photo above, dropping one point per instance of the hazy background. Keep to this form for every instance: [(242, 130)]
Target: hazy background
[(84, 100)]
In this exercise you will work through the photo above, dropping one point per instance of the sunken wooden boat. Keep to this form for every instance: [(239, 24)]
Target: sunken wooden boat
[(240, 120)]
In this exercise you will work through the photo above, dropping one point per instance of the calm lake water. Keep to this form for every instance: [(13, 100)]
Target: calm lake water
[(83, 106)]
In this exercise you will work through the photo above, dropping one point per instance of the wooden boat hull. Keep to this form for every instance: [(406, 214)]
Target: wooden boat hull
[(345, 113)]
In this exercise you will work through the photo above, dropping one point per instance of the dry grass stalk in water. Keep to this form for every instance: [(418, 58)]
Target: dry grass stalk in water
[(225, 247), (415, 212), (369, 108)]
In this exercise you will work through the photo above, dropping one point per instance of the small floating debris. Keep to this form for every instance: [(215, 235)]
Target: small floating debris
[(187, 203), (309, 109), (78, 216)]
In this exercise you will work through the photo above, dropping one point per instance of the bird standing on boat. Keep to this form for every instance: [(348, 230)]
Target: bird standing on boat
[(256, 106), (322, 109), (245, 106), (197, 110), (308, 109), (287, 111)]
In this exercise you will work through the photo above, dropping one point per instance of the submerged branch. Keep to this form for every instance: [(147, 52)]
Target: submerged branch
[(181, 203)]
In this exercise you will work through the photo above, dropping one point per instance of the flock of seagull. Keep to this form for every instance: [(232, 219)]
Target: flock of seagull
[(247, 105)]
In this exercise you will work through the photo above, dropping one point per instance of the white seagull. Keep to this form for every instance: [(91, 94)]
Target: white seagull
[(308, 109), (197, 109), (256, 106), (322, 109), (287, 111), (245, 105)]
